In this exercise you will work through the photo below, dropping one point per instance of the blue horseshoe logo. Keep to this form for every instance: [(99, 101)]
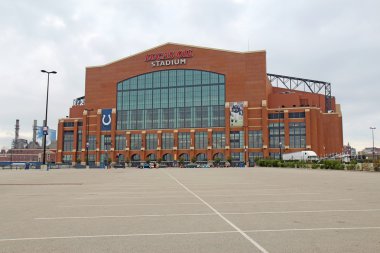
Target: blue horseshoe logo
[(109, 120)]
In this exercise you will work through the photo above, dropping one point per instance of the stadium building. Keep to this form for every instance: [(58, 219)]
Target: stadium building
[(179, 102)]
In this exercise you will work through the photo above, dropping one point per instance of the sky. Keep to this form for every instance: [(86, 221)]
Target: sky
[(336, 41)]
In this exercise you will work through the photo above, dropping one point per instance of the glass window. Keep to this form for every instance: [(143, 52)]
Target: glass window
[(183, 90), (276, 135), (255, 139), (105, 142), (297, 135), (218, 140), (68, 140), (237, 139), (68, 124), (167, 141), (296, 115), (135, 141), (120, 142), (151, 141), (276, 115), (183, 140), (91, 142), (201, 140)]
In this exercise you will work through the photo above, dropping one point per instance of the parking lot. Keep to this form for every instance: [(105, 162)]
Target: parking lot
[(189, 210)]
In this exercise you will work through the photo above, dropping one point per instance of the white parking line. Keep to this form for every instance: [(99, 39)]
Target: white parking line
[(124, 216), (256, 244), (308, 211), (206, 195), (183, 233), (204, 214), (309, 229), (200, 203)]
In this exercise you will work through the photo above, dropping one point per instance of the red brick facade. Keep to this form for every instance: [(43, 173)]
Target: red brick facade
[(245, 80)]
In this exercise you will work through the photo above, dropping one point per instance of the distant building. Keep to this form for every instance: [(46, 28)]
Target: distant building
[(27, 155), (368, 152), (348, 150)]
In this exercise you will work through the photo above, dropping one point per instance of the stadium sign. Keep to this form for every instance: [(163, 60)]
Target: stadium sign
[(169, 58)]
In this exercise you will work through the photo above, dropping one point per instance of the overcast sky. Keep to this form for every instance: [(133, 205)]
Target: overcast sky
[(337, 41)]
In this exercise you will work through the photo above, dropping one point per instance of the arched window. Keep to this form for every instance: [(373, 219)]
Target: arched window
[(219, 155), (170, 99), (201, 157), (151, 157), (167, 157), (185, 157), (135, 157)]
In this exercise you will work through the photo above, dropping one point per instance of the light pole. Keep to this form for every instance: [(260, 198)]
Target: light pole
[(373, 143), (45, 129), (87, 134)]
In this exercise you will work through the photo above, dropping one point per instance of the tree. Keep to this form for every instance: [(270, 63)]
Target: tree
[(193, 159), (217, 161), (181, 160)]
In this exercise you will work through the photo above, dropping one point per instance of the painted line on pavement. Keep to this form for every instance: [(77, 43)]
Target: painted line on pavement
[(124, 216), (182, 233), (204, 214), (256, 244), (200, 203), (207, 195)]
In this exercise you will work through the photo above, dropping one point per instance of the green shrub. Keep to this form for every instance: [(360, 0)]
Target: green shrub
[(315, 166)]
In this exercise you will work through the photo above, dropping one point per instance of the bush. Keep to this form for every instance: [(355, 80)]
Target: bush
[(315, 166)]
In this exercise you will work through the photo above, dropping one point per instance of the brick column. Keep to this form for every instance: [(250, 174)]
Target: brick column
[(192, 143), (286, 130), (175, 145), (264, 127), (97, 134), (58, 158), (308, 128), (227, 152), (209, 144)]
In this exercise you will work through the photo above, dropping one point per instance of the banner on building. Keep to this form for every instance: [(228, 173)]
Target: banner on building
[(106, 119), (50, 137), (236, 114)]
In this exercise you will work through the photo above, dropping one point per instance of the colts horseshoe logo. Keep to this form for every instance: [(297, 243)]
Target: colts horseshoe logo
[(106, 123)]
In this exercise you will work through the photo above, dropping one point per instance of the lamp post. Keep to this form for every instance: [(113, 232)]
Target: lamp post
[(45, 129), (87, 134), (373, 143)]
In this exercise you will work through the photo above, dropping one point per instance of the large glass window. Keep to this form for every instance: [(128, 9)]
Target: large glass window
[(297, 134), (135, 141), (120, 142), (296, 115), (68, 140), (237, 139), (183, 140), (255, 139), (105, 142), (151, 141), (171, 99), (218, 140), (201, 140), (92, 142), (167, 141), (276, 135)]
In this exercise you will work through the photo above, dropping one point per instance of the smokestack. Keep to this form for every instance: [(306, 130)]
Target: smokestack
[(34, 131), (17, 129)]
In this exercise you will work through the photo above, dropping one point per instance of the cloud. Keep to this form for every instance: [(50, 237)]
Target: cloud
[(334, 41)]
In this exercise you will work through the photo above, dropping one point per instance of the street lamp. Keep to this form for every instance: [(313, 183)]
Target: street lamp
[(373, 143), (87, 134), (45, 129)]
